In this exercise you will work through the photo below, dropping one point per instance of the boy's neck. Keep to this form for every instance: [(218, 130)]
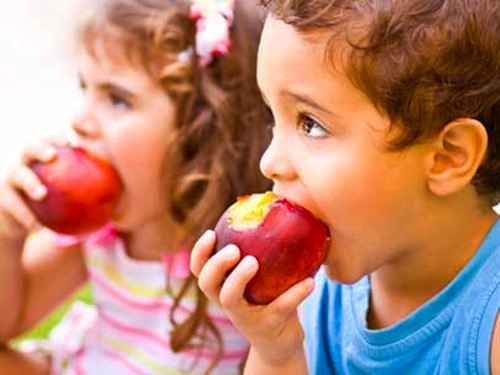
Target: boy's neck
[(399, 288)]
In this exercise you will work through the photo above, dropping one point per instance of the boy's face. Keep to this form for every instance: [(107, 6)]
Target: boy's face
[(328, 153)]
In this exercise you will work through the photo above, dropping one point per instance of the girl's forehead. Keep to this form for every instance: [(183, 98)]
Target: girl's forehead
[(105, 41), (105, 65), (104, 46), (109, 56)]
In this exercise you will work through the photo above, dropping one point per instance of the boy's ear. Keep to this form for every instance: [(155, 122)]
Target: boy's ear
[(457, 153)]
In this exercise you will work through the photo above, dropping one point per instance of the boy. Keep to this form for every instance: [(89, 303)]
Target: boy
[(387, 128)]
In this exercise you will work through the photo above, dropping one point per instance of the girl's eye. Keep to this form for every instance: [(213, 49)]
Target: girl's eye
[(119, 101), (312, 128)]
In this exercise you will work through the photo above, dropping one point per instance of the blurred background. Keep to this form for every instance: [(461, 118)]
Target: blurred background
[(38, 86)]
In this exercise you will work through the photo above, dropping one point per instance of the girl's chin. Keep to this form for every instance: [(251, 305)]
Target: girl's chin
[(119, 212)]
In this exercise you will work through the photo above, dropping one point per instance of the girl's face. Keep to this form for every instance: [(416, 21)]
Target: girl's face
[(328, 154), (127, 117)]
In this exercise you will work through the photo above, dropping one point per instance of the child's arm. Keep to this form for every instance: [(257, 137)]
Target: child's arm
[(273, 330), (294, 366), (35, 275), (51, 275)]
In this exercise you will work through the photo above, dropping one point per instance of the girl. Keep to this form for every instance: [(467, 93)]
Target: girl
[(387, 126), (170, 99)]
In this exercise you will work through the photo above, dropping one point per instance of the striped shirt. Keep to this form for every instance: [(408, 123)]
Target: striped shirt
[(127, 332)]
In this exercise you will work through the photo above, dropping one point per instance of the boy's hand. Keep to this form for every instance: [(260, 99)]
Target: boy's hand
[(273, 330)]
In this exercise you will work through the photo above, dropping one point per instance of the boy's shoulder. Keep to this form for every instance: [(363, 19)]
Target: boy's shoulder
[(461, 321), (483, 306)]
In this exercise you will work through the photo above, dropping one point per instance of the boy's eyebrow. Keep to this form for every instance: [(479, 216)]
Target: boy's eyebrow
[(302, 98)]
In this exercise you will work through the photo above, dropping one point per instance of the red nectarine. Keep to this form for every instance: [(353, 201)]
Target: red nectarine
[(82, 191), (287, 240)]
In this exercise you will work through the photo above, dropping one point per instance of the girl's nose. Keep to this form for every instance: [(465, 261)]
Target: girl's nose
[(85, 124), (276, 163)]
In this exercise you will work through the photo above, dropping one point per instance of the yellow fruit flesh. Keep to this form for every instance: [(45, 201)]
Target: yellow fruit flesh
[(249, 211)]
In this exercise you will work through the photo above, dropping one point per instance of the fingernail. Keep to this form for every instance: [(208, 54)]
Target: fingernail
[(232, 251), (48, 154), (248, 263), (39, 192), (203, 236), (309, 283)]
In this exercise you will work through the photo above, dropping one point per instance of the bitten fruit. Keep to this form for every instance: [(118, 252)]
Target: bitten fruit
[(287, 240), (82, 191)]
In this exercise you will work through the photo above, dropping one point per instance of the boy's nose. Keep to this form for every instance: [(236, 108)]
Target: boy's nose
[(276, 163)]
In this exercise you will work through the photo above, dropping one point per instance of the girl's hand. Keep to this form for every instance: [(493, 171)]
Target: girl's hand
[(274, 329), (16, 219)]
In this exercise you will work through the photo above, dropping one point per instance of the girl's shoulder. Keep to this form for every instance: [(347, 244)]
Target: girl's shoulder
[(42, 247)]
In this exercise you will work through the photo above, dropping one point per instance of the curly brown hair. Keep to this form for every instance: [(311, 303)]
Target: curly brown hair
[(422, 63), (221, 125)]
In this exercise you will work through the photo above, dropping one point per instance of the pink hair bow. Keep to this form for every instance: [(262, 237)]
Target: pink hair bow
[(213, 22)]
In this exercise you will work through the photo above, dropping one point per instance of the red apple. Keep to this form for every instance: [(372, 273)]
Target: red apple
[(287, 240), (82, 191)]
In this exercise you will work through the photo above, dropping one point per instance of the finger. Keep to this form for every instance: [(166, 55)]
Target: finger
[(18, 210), (63, 138), (232, 291), (25, 180), (41, 151), (288, 302), (213, 273), (202, 250)]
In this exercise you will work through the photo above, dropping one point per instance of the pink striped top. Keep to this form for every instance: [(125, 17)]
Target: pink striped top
[(129, 331)]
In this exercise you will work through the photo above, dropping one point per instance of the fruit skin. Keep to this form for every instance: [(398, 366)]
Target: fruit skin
[(82, 191), (289, 243)]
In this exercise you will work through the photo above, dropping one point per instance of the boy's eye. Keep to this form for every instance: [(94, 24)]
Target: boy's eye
[(312, 128)]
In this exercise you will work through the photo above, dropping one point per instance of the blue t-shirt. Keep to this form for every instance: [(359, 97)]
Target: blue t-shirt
[(450, 334)]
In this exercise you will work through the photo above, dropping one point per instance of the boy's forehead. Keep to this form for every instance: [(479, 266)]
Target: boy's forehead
[(277, 33), (281, 43), (287, 57)]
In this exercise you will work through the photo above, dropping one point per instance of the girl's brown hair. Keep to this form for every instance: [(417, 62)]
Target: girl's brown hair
[(220, 130), (422, 63)]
